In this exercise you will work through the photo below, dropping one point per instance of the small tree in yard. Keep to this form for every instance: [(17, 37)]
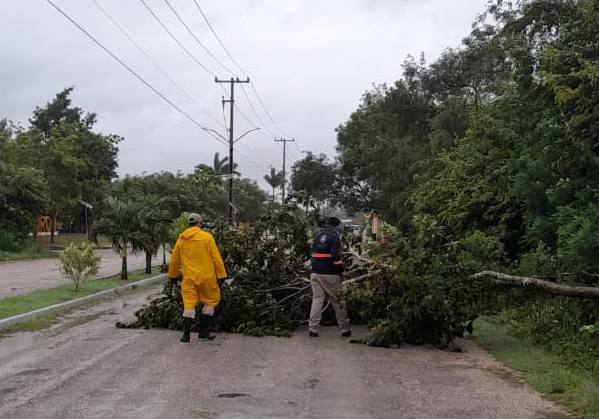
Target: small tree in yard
[(79, 263), (123, 225)]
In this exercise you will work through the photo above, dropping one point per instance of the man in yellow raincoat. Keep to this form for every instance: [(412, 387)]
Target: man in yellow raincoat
[(197, 255)]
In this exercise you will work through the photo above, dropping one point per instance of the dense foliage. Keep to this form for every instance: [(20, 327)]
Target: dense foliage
[(55, 163), (270, 292), (495, 144)]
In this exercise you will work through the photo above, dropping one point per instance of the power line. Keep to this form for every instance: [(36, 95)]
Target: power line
[(174, 38), (180, 19), (256, 112), (266, 110), (207, 130), (153, 62), (218, 38), (189, 54), (252, 85), (243, 115), (130, 70)]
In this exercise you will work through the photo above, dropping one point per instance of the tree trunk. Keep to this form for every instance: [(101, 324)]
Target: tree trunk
[(163, 255), (541, 285), (124, 267), (52, 227), (148, 262)]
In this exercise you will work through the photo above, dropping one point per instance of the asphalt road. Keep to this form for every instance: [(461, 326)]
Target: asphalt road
[(84, 367), (21, 277)]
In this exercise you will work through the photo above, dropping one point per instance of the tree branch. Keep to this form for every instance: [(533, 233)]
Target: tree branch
[(547, 287)]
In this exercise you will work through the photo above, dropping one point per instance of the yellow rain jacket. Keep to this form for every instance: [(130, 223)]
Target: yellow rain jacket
[(197, 254)]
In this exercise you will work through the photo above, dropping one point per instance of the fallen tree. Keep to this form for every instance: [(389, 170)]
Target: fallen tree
[(404, 291), (270, 293), (547, 287)]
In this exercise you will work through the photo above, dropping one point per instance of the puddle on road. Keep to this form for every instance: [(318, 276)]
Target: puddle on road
[(6, 390), (312, 383), (204, 414), (70, 321), (33, 371), (232, 395)]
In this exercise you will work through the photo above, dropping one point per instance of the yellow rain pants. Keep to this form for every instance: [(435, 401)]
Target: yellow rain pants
[(197, 255)]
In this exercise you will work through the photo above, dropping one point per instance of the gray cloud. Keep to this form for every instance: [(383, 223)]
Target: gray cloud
[(311, 61)]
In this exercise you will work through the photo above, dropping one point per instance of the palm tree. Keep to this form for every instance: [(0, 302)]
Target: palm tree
[(154, 224), (123, 224), (275, 179), (220, 166)]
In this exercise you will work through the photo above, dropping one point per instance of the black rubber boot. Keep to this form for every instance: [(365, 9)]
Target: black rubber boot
[(204, 328), (187, 321)]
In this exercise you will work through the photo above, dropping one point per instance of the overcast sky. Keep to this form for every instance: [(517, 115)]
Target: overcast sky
[(310, 61)]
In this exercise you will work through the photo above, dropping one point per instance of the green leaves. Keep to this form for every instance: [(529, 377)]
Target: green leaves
[(78, 263), (269, 294), (23, 196)]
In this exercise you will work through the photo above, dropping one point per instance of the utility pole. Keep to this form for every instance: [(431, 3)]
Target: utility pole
[(284, 141), (231, 102)]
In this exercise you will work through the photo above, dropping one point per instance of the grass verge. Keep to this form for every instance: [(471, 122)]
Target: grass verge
[(46, 297), (549, 373), (63, 240), (31, 250)]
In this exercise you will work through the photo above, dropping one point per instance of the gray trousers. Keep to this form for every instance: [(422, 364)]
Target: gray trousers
[(328, 286)]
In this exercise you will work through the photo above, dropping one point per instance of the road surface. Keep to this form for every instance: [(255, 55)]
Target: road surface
[(84, 367), (21, 277)]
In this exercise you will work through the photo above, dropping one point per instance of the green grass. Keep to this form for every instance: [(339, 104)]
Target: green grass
[(41, 322), (63, 240), (31, 250), (46, 297), (549, 373), (40, 248)]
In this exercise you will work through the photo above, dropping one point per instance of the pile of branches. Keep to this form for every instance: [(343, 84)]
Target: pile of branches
[(270, 292)]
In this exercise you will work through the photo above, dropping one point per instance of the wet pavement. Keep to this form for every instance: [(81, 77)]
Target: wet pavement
[(83, 367), (22, 277)]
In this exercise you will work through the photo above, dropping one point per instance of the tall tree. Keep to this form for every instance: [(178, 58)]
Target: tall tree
[(312, 179)]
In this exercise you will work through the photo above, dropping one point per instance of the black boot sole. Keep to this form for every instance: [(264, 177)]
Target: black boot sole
[(209, 338)]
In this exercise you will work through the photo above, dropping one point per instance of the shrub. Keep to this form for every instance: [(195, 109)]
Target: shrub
[(79, 263)]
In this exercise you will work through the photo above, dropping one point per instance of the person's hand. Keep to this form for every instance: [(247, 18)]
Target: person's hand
[(226, 280), (171, 284)]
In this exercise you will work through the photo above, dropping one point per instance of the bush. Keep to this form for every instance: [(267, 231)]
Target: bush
[(79, 263), (9, 242), (560, 325)]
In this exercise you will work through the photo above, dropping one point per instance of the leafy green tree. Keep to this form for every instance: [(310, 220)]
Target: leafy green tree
[(78, 263), (23, 196), (312, 179), (59, 111), (249, 200), (77, 163)]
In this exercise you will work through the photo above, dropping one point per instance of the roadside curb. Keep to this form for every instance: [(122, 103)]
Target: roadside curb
[(23, 317)]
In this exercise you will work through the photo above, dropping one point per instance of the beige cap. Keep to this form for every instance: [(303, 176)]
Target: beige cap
[(194, 218)]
